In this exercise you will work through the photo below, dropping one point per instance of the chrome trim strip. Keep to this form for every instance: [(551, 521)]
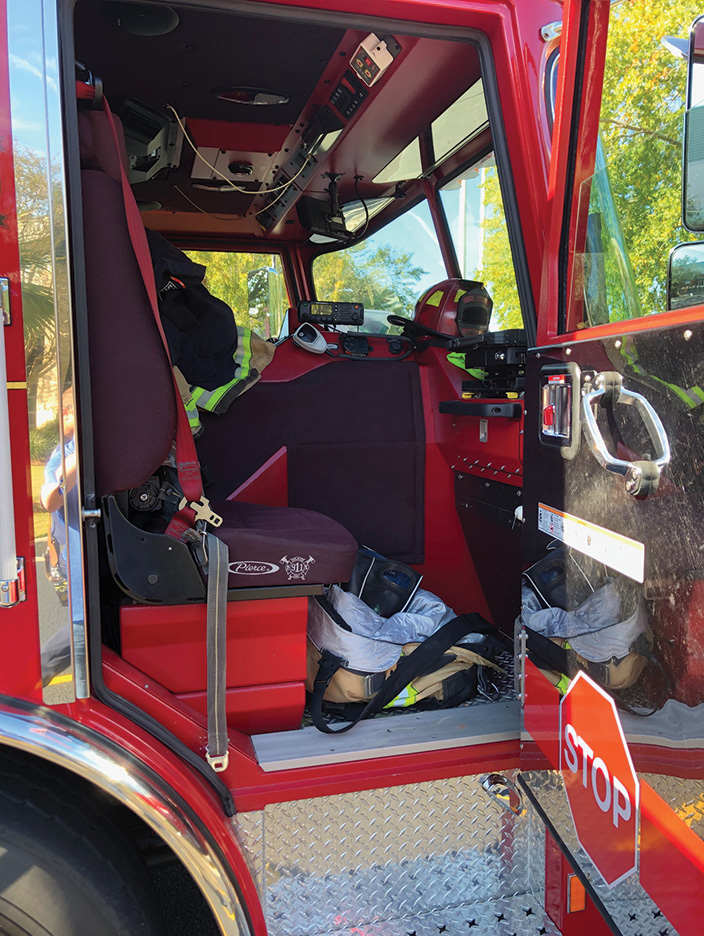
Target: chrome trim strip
[(38, 143), (61, 741)]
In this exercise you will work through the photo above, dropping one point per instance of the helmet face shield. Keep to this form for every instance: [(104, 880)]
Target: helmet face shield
[(474, 311), (455, 307)]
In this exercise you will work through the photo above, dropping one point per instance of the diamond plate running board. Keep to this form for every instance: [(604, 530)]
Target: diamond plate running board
[(427, 858)]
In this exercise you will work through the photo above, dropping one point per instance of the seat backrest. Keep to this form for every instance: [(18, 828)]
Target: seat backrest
[(133, 398)]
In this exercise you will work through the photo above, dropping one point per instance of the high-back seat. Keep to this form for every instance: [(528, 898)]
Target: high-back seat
[(134, 403), (277, 555)]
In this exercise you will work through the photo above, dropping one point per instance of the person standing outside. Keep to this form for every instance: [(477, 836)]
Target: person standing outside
[(59, 483)]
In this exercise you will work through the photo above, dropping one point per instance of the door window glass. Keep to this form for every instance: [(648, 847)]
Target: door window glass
[(629, 210), (475, 213), (387, 272), (252, 284)]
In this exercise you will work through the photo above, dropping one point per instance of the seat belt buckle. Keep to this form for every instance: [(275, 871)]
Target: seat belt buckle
[(195, 540), (203, 510), (220, 762)]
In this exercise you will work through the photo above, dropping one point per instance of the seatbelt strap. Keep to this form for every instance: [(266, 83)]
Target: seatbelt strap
[(194, 505), (216, 640), (194, 509)]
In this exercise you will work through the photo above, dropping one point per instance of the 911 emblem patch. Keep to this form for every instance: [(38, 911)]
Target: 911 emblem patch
[(297, 568)]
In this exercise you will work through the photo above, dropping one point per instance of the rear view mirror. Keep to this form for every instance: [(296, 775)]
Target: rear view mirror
[(693, 180), (685, 276)]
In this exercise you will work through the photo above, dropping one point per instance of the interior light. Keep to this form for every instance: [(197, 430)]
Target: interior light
[(258, 96)]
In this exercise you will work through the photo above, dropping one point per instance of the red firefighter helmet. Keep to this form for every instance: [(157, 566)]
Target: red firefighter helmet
[(455, 307)]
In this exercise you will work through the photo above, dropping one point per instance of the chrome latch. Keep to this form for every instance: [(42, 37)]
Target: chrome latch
[(202, 510)]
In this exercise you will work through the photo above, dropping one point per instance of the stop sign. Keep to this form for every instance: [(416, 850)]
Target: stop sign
[(600, 782)]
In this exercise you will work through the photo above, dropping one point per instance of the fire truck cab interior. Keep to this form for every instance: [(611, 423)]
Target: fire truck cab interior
[(297, 137)]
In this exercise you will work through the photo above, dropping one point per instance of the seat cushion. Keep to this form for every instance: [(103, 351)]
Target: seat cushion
[(283, 545)]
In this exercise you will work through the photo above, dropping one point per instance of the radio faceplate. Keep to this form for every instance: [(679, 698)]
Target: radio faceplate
[(331, 313)]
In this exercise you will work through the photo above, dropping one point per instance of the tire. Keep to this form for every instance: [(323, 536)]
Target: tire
[(65, 869)]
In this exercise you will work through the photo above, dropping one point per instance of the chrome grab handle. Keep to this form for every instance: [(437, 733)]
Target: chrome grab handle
[(504, 792), (642, 477)]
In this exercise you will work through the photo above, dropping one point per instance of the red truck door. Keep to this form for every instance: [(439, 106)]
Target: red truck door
[(614, 476)]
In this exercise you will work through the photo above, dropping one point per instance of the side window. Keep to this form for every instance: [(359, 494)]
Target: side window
[(252, 284), (475, 213), (629, 210), (387, 272)]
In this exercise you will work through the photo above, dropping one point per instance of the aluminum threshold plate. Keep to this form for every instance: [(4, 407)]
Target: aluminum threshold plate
[(675, 725), (410, 733)]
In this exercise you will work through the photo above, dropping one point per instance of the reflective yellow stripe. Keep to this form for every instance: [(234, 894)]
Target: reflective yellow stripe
[(405, 698), (458, 358), (563, 684), (209, 399), (58, 680)]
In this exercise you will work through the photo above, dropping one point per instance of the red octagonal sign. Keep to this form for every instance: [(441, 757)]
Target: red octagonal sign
[(601, 784)]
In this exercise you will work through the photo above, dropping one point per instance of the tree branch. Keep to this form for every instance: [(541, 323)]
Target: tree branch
[(652, 133)]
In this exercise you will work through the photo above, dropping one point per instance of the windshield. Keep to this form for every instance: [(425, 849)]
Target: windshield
[(630, 207)]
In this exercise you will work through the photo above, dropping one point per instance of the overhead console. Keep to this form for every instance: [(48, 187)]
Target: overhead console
[(372, 58), (225, 137)]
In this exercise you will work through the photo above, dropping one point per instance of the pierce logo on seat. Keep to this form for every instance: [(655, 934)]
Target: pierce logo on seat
[(245, 567), (297, 568)]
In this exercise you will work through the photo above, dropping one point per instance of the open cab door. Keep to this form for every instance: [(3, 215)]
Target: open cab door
[(612, 642)]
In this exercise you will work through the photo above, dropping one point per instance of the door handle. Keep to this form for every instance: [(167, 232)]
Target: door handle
[(642, 477)]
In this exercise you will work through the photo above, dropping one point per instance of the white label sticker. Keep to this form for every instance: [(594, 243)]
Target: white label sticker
[(614, 550)]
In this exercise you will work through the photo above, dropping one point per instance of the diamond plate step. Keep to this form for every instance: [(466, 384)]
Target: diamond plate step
[(491, 918), (399, 860), (631, 908)]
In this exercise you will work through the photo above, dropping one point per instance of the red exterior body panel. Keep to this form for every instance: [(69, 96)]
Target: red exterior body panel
[(253, 788), (671, 863), (266, 657), (559, 880)]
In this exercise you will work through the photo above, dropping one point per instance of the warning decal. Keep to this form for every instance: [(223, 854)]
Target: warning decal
[(618, 552)]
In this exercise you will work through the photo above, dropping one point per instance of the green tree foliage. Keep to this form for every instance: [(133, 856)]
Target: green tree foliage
[(641, 128), (240, 280), (497, 269), (379, 277)]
